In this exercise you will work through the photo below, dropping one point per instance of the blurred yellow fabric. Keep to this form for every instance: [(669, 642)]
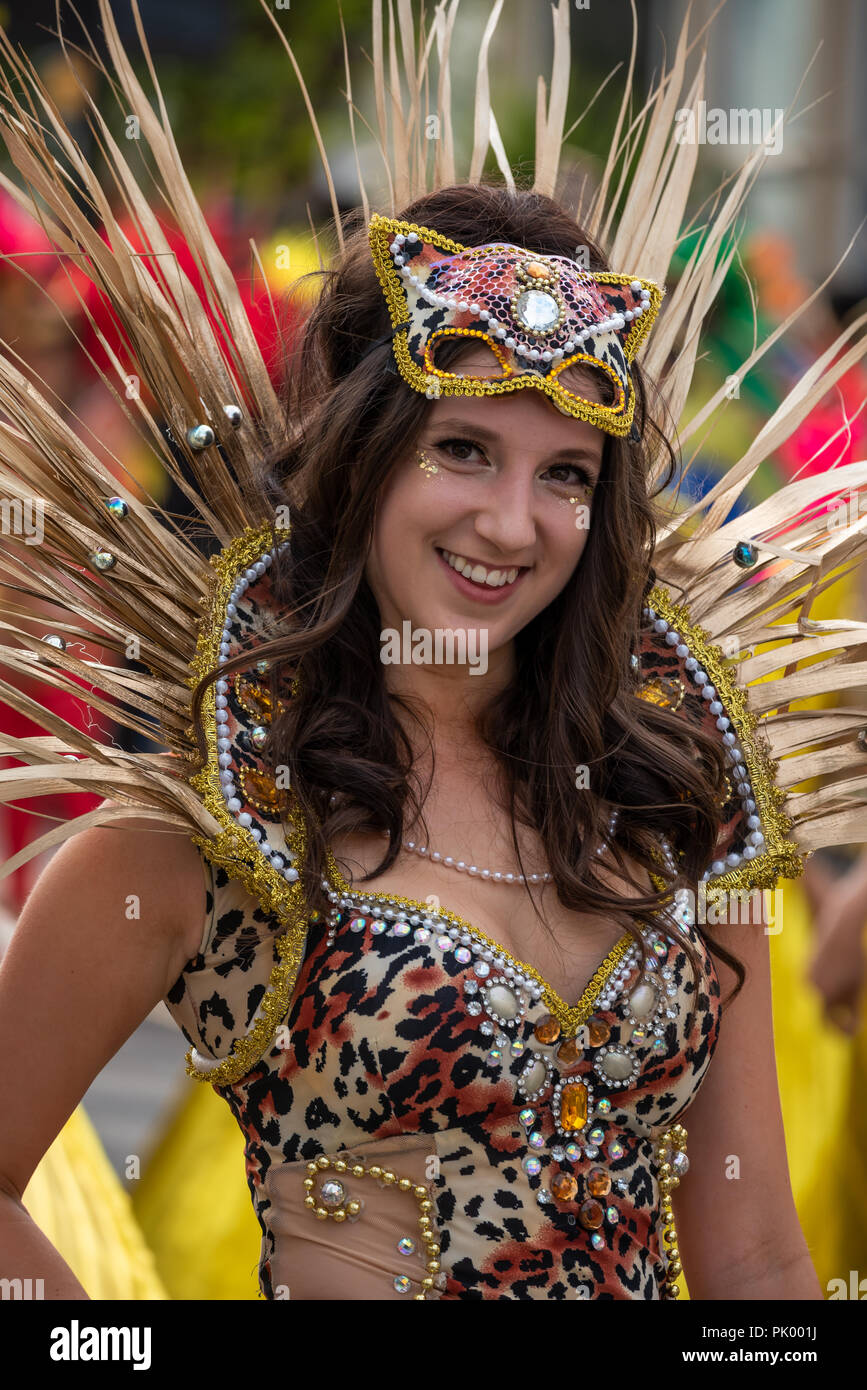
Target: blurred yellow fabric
[(194, 1206), (77, 1200)]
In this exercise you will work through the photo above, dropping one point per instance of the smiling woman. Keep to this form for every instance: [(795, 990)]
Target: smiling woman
[(522, 519), (385, 485), (445, 966)]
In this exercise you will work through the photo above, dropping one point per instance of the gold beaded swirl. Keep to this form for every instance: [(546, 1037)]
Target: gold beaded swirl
[(674, 1138), (352, 1208)]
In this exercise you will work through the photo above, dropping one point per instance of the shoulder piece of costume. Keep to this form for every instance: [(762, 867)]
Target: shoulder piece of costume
[(682, 671), (116, 569)]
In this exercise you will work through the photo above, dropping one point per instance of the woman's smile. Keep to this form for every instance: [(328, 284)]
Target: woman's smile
[(480, 582)]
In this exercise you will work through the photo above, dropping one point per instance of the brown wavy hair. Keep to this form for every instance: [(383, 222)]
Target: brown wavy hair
[(351, 419)]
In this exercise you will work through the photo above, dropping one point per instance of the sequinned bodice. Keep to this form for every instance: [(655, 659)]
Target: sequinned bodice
[(413, 1043)]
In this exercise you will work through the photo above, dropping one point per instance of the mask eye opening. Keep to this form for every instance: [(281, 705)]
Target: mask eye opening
[(592, 382), (445, 348)]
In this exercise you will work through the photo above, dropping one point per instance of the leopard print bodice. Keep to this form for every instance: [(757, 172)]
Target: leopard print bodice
[(416, 1044)]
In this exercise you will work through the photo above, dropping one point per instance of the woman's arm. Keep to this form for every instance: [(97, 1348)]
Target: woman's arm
[(738, 1231), (106, 931)]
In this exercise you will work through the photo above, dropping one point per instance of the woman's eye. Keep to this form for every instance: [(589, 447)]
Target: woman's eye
[(570, 473), (449, 446)]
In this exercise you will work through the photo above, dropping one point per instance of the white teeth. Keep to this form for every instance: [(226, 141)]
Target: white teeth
[(494, 579)]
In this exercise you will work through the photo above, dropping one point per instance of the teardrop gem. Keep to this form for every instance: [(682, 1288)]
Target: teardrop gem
[(598, 1182), (261, 790), (590, 1214), (564, 1186), (569, 1053), (598, 1032)]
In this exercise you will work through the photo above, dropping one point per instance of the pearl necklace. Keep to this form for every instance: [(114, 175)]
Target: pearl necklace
[(491, 876)]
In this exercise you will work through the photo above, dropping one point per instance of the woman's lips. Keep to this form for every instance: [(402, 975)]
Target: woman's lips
[(481, 593)]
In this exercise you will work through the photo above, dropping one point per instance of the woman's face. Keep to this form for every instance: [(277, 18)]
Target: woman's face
[(503, 494)]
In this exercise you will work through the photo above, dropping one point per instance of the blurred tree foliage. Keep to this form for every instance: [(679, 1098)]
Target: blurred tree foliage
[(236, 106)]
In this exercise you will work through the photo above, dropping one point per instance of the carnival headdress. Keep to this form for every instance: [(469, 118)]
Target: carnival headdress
[(112, 565), (539, 315)]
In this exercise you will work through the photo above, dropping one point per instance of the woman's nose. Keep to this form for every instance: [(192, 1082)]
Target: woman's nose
[(507, 519)]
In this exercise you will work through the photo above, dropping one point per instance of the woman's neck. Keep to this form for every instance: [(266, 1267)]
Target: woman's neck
[(451, 698)]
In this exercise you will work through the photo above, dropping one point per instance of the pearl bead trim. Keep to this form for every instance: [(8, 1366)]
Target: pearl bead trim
[(735, 759), (243, 819)]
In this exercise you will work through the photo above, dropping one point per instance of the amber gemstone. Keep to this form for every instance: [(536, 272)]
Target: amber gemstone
[(251, 693), (598, 1182), (547, 1030), (537, 271), (667, 694), (569, 1052), (564, 1187), (261, 790), (598, 1032), (590, 1214), (573, 1105)]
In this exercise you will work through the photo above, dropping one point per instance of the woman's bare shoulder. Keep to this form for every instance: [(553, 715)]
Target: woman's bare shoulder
[(166, 866)]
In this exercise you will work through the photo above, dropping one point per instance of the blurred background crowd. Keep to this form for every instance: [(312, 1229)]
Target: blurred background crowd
[(158, 1157)]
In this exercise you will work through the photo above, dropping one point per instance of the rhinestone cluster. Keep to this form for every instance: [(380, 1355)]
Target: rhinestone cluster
[(611, 323), (497, 988)]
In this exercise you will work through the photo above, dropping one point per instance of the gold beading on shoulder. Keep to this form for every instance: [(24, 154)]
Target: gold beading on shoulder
[(781, 858), (234, 849)]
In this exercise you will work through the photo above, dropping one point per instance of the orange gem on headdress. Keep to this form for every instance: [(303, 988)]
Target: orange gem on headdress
[(537, 271)]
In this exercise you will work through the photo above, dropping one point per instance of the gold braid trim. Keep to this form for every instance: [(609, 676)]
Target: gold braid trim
[(234, 849), (380, 232), (780, 858)]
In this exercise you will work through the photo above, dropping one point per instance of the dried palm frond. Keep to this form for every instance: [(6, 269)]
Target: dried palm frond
[(187, 355)]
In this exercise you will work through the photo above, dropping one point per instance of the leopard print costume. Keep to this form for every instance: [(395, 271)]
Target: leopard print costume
[(472, 1135)]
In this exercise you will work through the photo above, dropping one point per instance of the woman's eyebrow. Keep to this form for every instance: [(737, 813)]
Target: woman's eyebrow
[(586, 454)]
